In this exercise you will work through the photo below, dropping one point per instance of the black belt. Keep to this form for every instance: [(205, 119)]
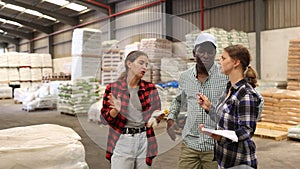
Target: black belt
[(133, 130)]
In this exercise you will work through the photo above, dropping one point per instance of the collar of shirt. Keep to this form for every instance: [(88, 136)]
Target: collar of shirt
[(124, 85), (236, 86)]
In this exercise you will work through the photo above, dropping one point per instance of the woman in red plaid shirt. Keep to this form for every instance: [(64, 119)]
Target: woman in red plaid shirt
[(128, 105)]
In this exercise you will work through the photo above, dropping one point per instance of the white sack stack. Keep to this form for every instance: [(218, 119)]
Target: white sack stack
[(25, 60), (3, 60), (36, 60), (13, 74), (36, 74), (13, 59), (171, 68), (46, 60), (4, 75), (5, 91), (156, 49), (86, 52), (25, 74)]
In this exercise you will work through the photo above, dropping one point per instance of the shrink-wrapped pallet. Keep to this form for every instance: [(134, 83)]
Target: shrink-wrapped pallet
[(25, 59), (47, 71), (4, 75), (3, 60), (13, 59), (13, 74), (36, 74), (46, 60), (86, 41), (5, 91), (36, 60), (25, 74)]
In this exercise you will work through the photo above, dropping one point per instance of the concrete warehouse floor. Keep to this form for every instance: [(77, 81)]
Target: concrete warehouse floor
[(271, 154)]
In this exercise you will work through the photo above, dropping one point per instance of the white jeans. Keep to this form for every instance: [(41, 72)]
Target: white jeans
[(130, 152)]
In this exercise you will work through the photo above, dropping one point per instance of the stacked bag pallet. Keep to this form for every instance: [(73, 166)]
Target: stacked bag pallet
[(190, 39), (86, 52), (281, 106), (223, 38), (111, 60), (294, 65), (171, 69), (77, 96), (156, 49)]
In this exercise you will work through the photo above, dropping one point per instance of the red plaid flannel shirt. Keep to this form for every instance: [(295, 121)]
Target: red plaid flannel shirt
[(150, 101)]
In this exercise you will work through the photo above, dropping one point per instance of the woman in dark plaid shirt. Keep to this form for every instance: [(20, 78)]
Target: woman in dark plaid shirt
[(237, 110), (128, 104)]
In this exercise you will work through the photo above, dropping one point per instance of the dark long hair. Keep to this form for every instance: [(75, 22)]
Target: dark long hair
[(131, 57), (241, 53)]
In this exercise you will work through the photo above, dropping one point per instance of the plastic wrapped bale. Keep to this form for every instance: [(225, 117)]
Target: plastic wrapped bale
[(294, 132), (94, 111), (41, 147)]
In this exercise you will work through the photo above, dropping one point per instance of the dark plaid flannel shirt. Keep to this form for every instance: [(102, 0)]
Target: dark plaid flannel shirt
[(150, 101)]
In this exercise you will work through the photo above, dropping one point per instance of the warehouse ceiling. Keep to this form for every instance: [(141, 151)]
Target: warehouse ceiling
[(21, 18)]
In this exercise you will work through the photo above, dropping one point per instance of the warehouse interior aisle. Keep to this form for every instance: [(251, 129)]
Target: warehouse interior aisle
[(271, 154)]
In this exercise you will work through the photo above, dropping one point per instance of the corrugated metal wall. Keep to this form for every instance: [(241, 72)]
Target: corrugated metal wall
[(150, 21), (144, 23), (282, 14), (226, 14)]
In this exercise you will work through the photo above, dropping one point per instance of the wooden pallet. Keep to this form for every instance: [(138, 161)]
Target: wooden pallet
[(17, 102), (74, 114), (273, 126), (70, 114), (271, 134), (37, 109), (5, 98)]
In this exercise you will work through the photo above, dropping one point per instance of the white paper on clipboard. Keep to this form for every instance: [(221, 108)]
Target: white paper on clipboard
[(230, 134)]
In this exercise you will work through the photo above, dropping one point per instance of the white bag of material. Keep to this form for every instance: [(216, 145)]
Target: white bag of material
[(3, 60), (25, 74), (94, 111), (25, 59), (13, 59), (5, 92), (45, 146), (35, 60), (294, 132), (46, 60), (13, 74)]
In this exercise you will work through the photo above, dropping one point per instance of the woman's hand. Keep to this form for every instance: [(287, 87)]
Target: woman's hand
[(214, 136), (203, 101), (115, 105)]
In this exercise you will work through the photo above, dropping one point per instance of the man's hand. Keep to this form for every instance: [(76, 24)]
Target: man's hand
[(171, 127), (156, 117)]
